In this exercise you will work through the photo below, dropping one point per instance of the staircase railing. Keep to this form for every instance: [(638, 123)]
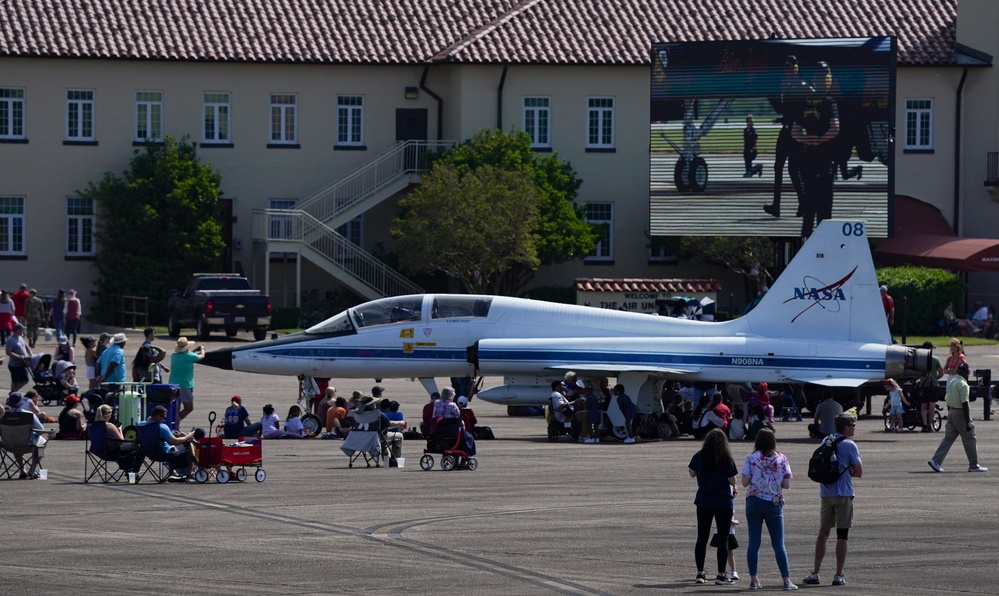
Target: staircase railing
[(294, 225), (402, 159)]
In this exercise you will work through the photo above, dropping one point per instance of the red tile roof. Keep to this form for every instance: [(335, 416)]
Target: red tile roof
[(611, 32), (670, 286)]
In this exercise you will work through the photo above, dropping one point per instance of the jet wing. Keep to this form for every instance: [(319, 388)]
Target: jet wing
[(614, 369), (830, 381)]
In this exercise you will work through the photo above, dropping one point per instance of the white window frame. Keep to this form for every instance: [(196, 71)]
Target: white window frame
[(284, 119), (660, 253), (600, 122), (12, 226), (604, 250), (918, 124), (81, 223), (350, 120), (12, 113), (538, 120), (80, 116), (148, 116), (280, 226), (216, 123)]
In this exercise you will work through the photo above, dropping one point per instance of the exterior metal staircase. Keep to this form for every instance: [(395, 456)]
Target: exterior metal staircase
[(310, 229)]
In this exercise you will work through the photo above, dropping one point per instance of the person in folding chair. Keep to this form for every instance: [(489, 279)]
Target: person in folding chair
[(21, 433), (159, 444), (107, 445), (365, 438)]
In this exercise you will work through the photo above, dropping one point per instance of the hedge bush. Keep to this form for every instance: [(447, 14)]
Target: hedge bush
[(920, 295)]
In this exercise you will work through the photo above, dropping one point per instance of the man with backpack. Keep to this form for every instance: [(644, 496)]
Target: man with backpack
[(835, 470)]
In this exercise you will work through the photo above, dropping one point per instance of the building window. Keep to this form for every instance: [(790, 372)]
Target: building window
[(349, 120), (79, 227), (662, 249), (919, 124), (11, 113), (601, 215), (600, 122), (11, 225), (283, 118), (79, 115), (537, 120), (352, 229), (217, 118), (148, 116)]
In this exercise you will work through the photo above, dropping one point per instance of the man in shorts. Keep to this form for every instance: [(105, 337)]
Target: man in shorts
[(182, 373), (18, 358), (836, 510)]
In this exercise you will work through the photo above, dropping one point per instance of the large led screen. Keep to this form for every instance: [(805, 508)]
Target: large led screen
[(767, 138)]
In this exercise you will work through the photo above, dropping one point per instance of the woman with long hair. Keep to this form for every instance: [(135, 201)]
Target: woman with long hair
[(766, 473), (714, 469)]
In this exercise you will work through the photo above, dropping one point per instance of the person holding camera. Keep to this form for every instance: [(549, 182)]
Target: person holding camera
[(182, 373), (958, 423)]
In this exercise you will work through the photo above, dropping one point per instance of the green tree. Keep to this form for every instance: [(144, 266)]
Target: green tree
[(158, 223), (560, 232), (472, 226), (749, 256)]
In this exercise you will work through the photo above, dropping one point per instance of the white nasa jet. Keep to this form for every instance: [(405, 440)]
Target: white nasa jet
[(822, 323)]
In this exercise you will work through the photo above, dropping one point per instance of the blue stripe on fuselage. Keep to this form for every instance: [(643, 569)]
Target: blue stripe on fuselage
[(345, 353)]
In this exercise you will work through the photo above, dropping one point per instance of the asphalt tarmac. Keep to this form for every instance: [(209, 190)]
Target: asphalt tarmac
[(535, 518)]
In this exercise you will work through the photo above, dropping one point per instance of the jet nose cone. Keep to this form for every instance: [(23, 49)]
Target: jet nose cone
[(218, 358)]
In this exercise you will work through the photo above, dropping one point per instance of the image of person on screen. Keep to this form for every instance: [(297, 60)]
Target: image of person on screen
[(788, 103), (816, 129), (749, 139)]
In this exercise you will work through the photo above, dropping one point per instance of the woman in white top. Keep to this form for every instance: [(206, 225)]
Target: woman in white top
[(766, 472), (270, 425), (293, 424)]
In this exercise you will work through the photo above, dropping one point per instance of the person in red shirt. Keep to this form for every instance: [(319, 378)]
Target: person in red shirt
[(467, 415), (20, 298), (721, 410)]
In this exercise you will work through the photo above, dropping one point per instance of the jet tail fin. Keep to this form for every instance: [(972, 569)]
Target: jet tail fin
[(829, 291)]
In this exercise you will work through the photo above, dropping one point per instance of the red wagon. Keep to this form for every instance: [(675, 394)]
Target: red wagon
[(216, 459)]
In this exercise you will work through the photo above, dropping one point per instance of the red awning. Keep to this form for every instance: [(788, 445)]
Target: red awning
[(944, 252), (925, 239)]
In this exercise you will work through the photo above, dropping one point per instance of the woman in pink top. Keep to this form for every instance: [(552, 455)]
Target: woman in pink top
[(74, 310)]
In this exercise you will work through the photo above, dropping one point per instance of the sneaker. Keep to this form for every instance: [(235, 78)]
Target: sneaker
[(790, 586), (734, 576), (936, 467), (700, 578), (978, 469), (755, 585), (722, 580), (811, 578), (839, 580), (629, 440)]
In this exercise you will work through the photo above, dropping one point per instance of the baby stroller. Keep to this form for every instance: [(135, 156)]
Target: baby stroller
[(45, 382), (456, 446)]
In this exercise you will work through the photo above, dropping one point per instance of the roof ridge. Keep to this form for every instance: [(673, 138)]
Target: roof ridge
[(483, 30)]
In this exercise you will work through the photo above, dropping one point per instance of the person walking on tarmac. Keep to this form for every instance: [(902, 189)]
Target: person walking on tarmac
[(958, 423)]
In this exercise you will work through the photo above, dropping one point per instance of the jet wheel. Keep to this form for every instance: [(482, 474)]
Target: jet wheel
[(680, 175), (697, 175)]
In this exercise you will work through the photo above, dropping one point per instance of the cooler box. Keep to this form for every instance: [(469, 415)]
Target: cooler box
[(162, 394), (172, 408), (129, 406)]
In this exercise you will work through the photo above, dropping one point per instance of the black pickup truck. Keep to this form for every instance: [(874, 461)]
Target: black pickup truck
[(215, 301)]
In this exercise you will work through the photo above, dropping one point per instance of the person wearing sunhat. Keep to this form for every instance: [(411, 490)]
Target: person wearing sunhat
[(112, 361), (182, 373)]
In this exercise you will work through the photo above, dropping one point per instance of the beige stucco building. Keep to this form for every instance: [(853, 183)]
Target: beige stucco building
[(305, 111)]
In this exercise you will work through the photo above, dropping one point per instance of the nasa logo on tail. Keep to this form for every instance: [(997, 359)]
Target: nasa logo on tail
[(828, 297)]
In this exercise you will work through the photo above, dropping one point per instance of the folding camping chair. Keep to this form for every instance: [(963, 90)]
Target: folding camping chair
[(365, 439), (18, 439), (154, 461), (101, 450), (789, 408)]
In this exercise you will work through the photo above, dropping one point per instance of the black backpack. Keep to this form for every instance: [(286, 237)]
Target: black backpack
[(823, 467)]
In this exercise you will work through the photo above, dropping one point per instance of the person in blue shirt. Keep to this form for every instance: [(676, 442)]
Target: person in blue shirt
[(176, 447), (112, 361)]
